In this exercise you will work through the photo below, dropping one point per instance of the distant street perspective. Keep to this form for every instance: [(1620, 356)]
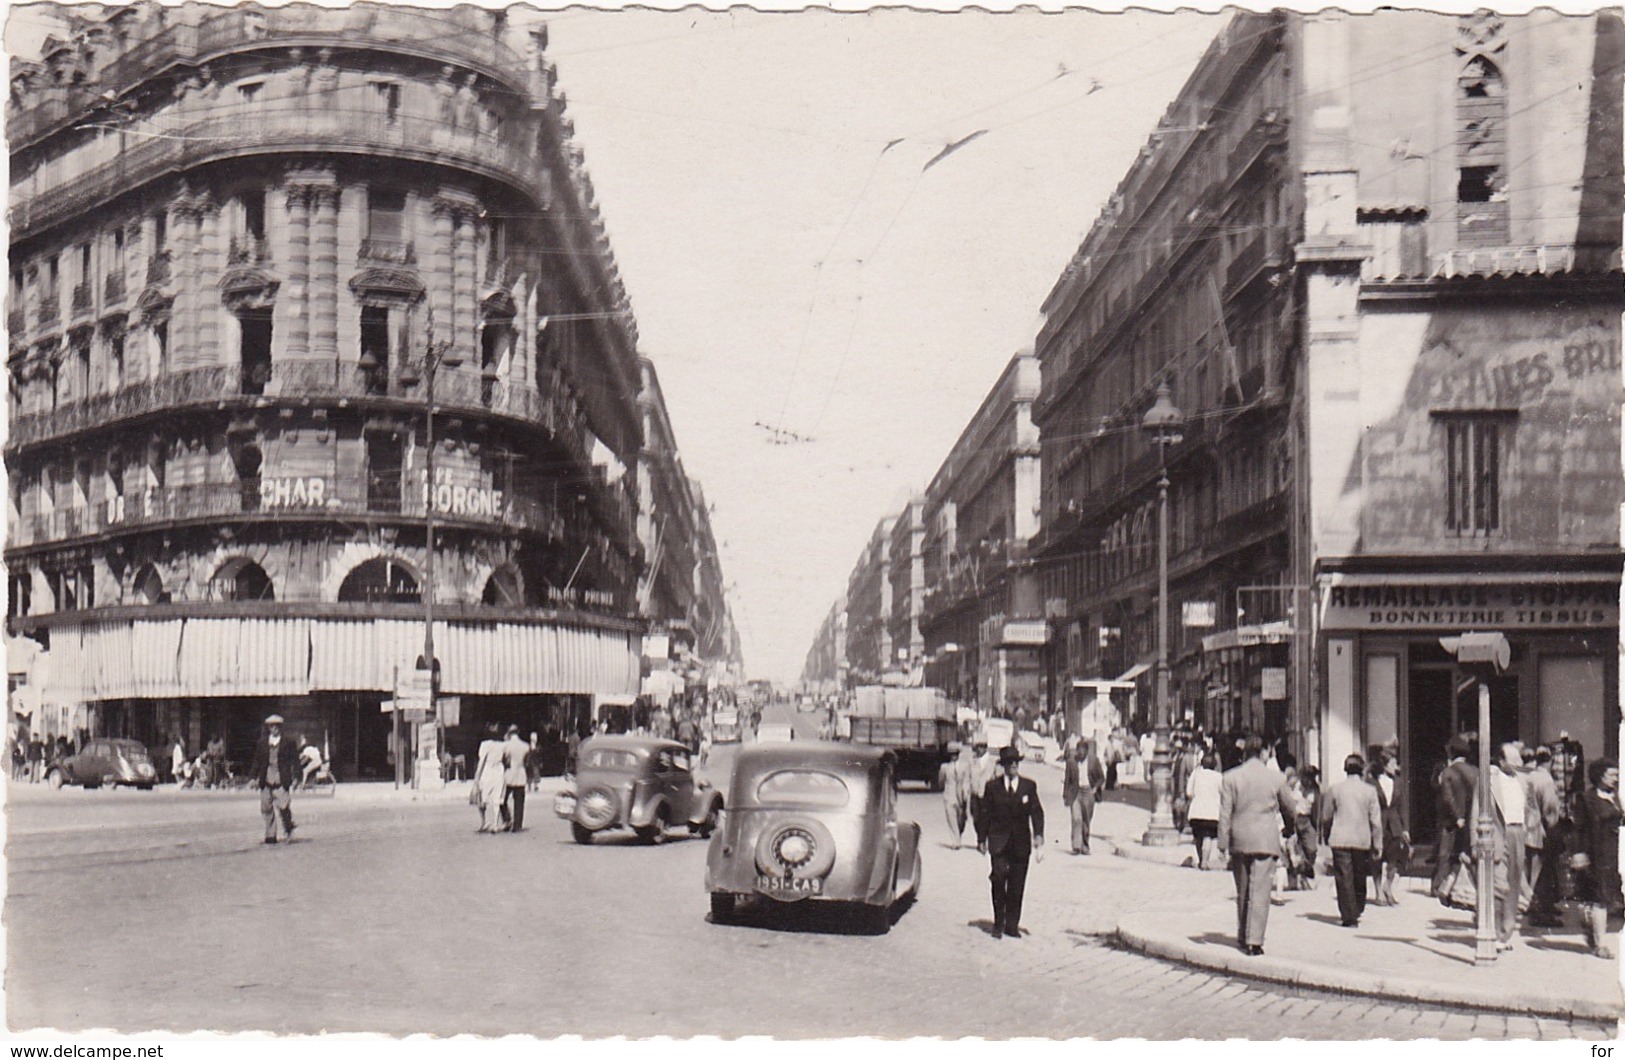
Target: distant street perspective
[(995, 525)]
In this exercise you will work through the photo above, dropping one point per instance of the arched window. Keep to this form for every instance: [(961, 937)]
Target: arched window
[(148, 587), (503, 589), (1481, 116), (241, 579), (380, 581)]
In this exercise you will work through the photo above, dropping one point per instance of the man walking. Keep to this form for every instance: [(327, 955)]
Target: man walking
[(956, 779), (1081, 787), (514, 751), (1351, 824), (1456, 786), (1254, 806), (1010, 828), (274, 769), (1543, 813), (1507, 843)]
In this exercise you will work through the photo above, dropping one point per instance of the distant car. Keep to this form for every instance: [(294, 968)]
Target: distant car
[(769, 731), (643, 784), (106, 761), (1039, 749), (815, 822), (725, 727)]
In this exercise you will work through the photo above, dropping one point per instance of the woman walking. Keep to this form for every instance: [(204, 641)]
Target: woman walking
[(1305, 844), (489, 781), (1202, 791), (1595, 861), (1396, 840)]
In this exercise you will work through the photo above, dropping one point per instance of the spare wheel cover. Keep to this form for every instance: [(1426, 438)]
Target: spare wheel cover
[(801, 847), (596, 808)]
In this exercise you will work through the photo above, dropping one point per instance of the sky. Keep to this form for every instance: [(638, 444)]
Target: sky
[(826, 305), (798, 281)]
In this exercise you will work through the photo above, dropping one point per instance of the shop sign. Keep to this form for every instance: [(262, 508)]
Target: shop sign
[(299, 492), (1272, 681), (473, 502), (1026, 634), (1445, 605), (586, 597), (1200, 614)]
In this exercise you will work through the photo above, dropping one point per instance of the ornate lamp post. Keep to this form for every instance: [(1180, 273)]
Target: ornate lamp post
[(1166, 424), (435, 356)]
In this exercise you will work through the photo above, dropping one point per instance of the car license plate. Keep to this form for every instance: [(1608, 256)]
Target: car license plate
[(789, 888)]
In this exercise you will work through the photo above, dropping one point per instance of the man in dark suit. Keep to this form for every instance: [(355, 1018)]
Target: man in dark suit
[(1010, 827), (1457, 784), (275, 767)]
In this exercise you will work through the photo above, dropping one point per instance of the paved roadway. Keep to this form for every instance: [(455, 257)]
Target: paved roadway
[(399, 917)]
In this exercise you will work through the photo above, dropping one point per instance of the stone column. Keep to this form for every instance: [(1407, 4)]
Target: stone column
[(437, 259), (324, 265), (211, 258), (465, 288), (183, 264), (297, 313)]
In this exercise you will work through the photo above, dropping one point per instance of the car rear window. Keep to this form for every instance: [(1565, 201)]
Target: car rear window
[(606, 758), (802, 787)]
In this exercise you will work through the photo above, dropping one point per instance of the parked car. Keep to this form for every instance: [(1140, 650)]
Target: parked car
[(725, 726), (813, 822), (106, 761), (771, 731), (635, 782)]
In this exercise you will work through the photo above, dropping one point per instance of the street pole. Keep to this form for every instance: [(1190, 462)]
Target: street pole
[(1161, 831), (1166, 423), (1484, 828), (395, 728), (430, 368)]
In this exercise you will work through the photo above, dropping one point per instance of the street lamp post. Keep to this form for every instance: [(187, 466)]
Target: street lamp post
[(1165, 423), (435, 354)]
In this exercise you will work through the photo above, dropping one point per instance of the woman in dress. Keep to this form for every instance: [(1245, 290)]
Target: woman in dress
[(1597, 820), (1202, 792), (488, 781)]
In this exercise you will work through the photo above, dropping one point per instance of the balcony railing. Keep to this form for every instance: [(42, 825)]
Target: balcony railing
[(113, 288), (81, 300), (436, 35), (16, 323), (1265, 251), (217, 500), (50, 309), (248, 250), (387, 252), (270, 130)]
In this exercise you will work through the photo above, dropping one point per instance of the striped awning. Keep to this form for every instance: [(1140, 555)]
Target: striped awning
[(208, 657)]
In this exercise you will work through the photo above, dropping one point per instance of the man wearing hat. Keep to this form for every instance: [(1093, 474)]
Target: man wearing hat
[(1010, 827), (275, 768)]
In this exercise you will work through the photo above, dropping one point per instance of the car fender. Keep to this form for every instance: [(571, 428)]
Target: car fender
[(705, 806), (644, 810), (884, 869)]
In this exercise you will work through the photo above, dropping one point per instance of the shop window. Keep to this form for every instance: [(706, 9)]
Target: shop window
[(241, 579), (1473, 474), (1573, 700), (148, 587), (1381, 698), (379, 581)]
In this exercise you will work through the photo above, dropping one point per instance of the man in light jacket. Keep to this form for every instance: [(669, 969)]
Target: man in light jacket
[(1351, 824), (1543, 813), (1254, 805), (514, 778)]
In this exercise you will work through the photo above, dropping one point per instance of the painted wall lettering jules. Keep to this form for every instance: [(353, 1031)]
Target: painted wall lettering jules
[(1515, 371)]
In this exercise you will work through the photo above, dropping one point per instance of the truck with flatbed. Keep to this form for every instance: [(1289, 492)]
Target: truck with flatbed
[(916, 724)]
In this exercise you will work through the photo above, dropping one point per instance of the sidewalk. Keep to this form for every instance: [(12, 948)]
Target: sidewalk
[(371, 791), (1417, 950)]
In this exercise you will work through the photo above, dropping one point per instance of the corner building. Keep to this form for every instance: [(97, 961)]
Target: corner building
[(243, 241), (1376, 258)]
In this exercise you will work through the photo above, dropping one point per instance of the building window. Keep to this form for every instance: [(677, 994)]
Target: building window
[(251, 92), (1473, 474), (1481, 114), (254, 351), (375, 348), (388, 95), (386, 213), (19, 594)]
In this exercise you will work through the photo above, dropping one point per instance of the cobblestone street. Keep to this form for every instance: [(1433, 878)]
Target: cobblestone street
[(386, 917)]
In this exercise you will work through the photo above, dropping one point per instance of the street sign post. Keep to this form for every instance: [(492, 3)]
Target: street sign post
[(1483, 655)]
